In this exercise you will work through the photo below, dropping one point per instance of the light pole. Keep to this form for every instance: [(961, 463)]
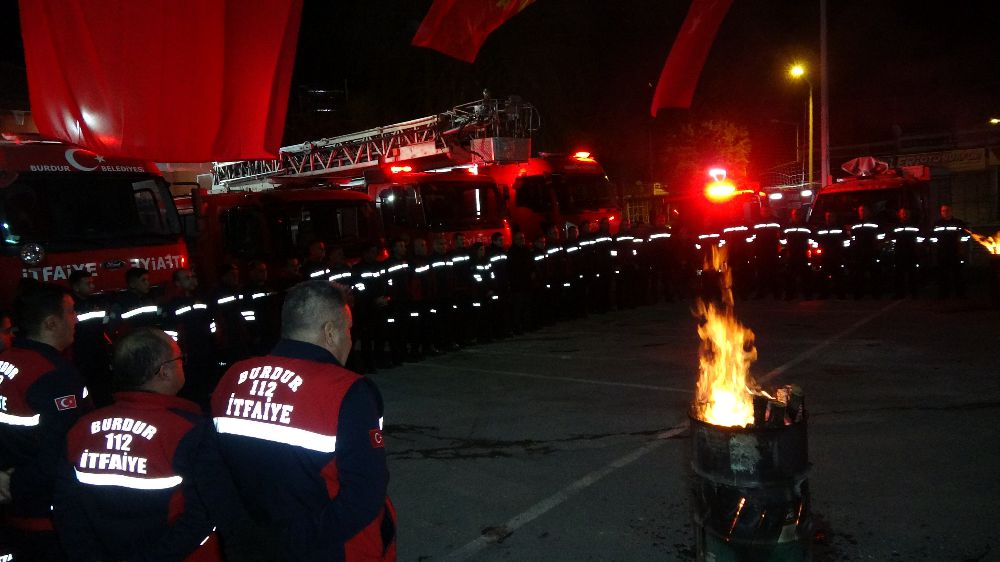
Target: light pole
[(798, 72)]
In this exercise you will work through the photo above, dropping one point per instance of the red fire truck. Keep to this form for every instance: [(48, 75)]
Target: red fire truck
[(440, 174), (64, 208), (558, 189)]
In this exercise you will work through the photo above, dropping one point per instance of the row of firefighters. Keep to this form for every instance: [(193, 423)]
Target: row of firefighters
[(426, 297)]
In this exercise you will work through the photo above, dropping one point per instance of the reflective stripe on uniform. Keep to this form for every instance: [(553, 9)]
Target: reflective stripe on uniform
[(26, 421), (134, 482), (277, 433), (140, 310)]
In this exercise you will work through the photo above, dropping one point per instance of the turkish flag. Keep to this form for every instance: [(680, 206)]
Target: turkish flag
[(683, 67), (458, 28), (164, 80)]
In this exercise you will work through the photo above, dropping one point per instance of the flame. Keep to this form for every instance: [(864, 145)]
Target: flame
[(991, 243), (727, 349)]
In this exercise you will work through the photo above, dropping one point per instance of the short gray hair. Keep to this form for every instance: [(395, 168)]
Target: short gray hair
[(137, 357), (308, 305)]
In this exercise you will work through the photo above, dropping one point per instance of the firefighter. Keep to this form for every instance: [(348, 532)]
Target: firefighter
[(315, 259), (603, 266), (296, 425), (660, 258), (831, 240), (135, 307), (521, 267), (462, 288), (865, 252), (906, 241), (190, 320), (542, 304), (626, 272), (444, 305), (949, 237), (226, 307), (338, 270), (264, 304), (423, 293), (90, 349), (369, 308), (560, 281), (499, 305), (482, 293), (143, 478), (797, 251), (577, 267), (42, 396), (398, 326), (766, 236)]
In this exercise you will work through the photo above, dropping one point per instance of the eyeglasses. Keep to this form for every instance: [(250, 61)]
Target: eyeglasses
[(182, 358)]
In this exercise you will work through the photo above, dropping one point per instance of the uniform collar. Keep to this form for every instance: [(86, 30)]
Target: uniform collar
[(296, 349), (145, 400), (37, 346)]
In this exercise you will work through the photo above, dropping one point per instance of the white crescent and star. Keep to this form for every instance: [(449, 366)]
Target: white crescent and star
[(71, 158)]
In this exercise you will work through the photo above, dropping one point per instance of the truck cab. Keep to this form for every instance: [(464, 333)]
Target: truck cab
[(422, 204), (64, 208), (884, 193), (276, 224), (556, 189)]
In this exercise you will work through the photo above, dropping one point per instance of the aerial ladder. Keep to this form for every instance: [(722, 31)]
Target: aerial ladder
[(485, 131)]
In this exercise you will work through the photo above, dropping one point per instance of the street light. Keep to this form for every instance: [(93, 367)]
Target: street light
[(798, 72)]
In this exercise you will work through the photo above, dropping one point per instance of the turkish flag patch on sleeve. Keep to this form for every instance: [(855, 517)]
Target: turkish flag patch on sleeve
[(376, 437), (66, 402)]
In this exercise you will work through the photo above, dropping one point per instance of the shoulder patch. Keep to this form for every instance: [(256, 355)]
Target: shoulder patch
[(376, 438), (66, 402)]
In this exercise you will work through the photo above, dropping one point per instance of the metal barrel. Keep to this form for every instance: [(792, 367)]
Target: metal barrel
[(750, 492)]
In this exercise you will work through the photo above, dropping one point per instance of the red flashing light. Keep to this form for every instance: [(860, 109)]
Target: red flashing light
[(612, 218), (719, 191), (583, 156), (398, 169)]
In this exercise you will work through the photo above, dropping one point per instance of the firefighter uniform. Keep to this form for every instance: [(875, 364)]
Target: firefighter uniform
[(190, 322), (368, 311), (831, 265), (42, 396), (865, 252), (907, 242), (303, 438), (139, 479), (797, 246), (740, 255), (948, 237), (766, 243)]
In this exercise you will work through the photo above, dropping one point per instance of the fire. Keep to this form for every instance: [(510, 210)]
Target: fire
[(991, 243), (727, 349)]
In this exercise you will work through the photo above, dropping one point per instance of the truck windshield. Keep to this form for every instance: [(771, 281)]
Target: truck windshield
[(883, 203), (459, 205), (296, 224), (583, 192), (66, 212)]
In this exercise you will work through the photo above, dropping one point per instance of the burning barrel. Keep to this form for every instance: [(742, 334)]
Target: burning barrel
[(751, 494)]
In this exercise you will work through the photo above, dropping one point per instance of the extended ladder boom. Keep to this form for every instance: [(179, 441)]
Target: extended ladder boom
[(487, 130)]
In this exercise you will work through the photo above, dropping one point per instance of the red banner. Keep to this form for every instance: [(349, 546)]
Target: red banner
[(683, 67), (458, 28), (164, 80)]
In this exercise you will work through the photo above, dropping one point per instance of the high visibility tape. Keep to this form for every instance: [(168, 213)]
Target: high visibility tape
[(277, 433), (134, 482), (224, 300), (24, 421), (140, 310), (97, 314), (319, 273)]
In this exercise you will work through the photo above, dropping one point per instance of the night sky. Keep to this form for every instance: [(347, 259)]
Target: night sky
[(590, 68)]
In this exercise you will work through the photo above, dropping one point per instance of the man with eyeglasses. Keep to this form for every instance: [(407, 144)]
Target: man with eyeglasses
[(143, 478), (303, 437)]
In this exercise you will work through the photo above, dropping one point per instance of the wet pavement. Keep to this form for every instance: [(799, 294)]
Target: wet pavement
[(570, 443)]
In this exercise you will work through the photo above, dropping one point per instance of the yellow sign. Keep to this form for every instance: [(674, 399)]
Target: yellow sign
[(964, 160)]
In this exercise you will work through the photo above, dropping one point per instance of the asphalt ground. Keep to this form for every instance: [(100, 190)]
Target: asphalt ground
[(570, 443)]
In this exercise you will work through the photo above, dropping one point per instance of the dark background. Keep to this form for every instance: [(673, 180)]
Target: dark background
[(895, 68)]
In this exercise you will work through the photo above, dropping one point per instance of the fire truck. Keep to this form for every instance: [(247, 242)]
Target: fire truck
[(273, 225), (884, 190), (64, 208), (465, 170), (556, 189)]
